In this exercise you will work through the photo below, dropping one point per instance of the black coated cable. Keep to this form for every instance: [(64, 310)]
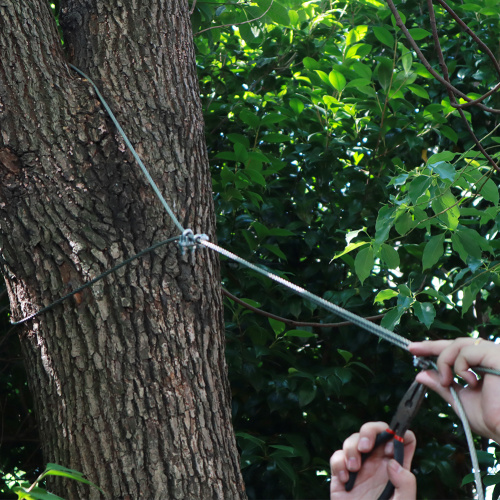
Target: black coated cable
[(95, 280)]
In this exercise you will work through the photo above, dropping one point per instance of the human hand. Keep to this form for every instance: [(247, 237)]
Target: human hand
[(480, 397), (376, 470)]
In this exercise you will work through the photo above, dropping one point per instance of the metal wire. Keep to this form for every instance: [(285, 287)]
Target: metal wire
[(95, 280), (378, 330), (132, 150)]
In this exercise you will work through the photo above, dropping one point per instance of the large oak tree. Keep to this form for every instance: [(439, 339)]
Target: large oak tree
[(128, 377)]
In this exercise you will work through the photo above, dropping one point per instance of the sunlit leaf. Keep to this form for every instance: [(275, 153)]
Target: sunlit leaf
[(363, 263)]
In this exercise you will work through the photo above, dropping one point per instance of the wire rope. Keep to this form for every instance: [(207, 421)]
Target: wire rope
[(132, 150), (96, 279)]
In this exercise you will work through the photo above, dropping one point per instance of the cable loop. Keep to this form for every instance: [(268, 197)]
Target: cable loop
[(190, 240)]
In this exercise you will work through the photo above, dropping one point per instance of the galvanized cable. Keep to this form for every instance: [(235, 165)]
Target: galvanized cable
[(132, 150), (459, 410), (378, 330)]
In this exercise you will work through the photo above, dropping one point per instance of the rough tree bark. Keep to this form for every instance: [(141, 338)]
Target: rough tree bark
[(129, 377)]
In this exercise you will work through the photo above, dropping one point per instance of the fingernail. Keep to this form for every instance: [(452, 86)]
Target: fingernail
[(364, 444), (352, 464), (343, 476), (394, 466)]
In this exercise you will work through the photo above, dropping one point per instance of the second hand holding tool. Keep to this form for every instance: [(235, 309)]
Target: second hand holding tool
[(407, 409)]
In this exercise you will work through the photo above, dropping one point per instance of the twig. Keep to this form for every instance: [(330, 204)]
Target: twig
[(453, 101), (291, 322), (472, 34), (192, 8), (426, 63)]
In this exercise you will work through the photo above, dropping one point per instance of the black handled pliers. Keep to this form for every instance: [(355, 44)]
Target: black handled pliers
[(407, 409)]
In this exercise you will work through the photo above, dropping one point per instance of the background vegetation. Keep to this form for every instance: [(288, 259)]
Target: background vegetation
[(338, 162)]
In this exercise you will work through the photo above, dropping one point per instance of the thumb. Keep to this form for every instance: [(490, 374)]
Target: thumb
[(405, 484)]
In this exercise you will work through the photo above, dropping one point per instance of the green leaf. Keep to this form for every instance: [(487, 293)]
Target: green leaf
[(390, 256), (433, 251), (287, 468), (250, 118), (445, 170), (446, 209), (355, 35), (310, 63), (419, 33), (271, 118), (404, 223), (443, 156), (358, 82), (362, 70), (384, 74), (363, 263), (418, 91), (297, 105), (277, 326), (277, 12), (350, 248), (449, 133), (276, 250), (489, 191), (274, 138), (471, 241), (418, 186), (34, 493), (239, 138), (425, 312), (392, 318), (469, 295), (59, 470), (294, 17), (241, 152), (255, 176), (345, 354), (385, 295), (385, 220), (300, 333), (253, 439), (337, 80), (491, 479), (469, 478), (384, 35), (290, 451), (307, 393), (438, 295), (324, 77)]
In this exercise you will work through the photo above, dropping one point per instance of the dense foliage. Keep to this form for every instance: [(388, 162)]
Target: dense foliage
[(339, 163)]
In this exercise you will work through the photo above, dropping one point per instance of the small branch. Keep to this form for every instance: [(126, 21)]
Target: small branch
[(291, 322), (428, 66), (471, 34), (453, 100), (192, 8), (236, 24)]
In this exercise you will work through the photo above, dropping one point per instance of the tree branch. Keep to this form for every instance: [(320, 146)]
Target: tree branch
[(428, 66), (291, 322), (453, 100)]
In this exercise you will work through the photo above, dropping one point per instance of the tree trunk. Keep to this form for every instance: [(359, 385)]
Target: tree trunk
[(129, 376)]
